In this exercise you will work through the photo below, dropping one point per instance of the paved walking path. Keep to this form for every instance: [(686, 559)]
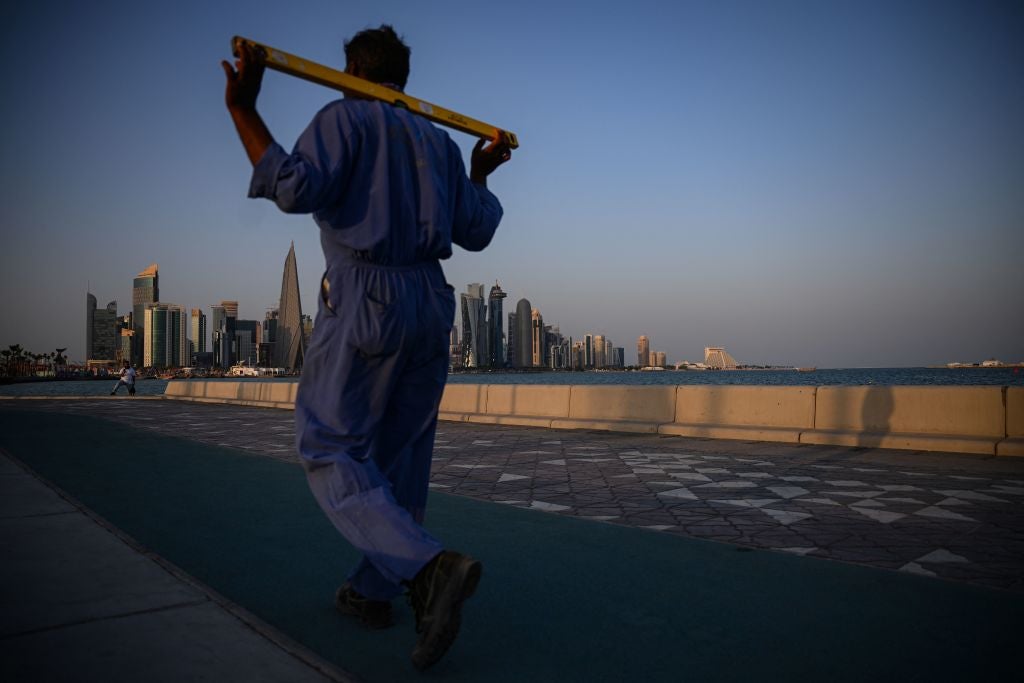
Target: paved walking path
[(80, 603), (958, 517), (216, 491)]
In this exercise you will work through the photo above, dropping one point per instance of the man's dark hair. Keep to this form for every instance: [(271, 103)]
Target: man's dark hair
[(379, 55)]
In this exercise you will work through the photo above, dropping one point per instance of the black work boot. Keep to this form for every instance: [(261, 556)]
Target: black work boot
[(436, 595), (372, 613)]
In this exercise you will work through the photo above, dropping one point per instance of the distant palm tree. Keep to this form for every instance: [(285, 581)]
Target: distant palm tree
[(59, 361), (17, 360)]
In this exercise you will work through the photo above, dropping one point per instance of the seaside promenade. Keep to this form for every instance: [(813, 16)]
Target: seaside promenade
[(161, 540)]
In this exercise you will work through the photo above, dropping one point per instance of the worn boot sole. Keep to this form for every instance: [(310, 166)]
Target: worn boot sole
[(444, 620)]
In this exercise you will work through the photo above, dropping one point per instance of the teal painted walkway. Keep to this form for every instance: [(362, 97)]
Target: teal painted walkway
[(562, 599)]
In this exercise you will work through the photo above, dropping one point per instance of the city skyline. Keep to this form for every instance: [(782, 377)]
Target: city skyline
[(803, 183), (478, 340), (183, 332), (483, 322), (169, 337), (191, 333)]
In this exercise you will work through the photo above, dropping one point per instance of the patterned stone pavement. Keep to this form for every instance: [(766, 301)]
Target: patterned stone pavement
[(957, 517)]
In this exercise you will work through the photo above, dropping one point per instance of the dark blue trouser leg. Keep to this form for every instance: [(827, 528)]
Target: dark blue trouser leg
[(403, 452), (365, 427)]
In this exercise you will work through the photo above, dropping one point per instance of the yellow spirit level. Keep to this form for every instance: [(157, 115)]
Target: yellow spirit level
[(278, 60)]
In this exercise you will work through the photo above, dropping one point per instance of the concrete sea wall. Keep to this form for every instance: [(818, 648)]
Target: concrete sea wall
[(261, 394), (966, 419)]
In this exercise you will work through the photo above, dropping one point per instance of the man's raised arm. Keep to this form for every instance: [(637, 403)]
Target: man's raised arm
[(243, 86)]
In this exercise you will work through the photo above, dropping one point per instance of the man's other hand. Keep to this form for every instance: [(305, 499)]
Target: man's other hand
[(485, 159), (244, 80)]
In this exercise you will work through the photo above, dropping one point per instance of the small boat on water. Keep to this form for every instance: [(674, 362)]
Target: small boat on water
[(806, 369), (242, 370)]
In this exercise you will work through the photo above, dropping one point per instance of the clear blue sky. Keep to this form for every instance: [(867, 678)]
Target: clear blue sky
[(814, 183)]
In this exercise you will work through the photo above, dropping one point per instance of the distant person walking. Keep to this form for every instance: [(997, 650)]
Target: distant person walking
[(390, 194), (127, 379)]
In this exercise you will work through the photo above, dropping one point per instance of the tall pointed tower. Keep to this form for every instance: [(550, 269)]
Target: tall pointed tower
[(288, 346)]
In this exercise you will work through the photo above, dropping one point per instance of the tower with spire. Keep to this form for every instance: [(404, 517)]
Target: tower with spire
[(288, 347)]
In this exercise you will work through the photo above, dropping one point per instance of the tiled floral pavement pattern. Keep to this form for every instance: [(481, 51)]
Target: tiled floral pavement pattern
[(958, 517)]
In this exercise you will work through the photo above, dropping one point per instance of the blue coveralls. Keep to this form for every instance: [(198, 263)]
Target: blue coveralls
[(390, 194)]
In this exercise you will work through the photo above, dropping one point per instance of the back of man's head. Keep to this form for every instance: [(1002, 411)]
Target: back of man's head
[(379, 55)]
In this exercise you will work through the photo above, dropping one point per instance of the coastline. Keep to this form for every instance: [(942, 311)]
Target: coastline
[(1007, 377)]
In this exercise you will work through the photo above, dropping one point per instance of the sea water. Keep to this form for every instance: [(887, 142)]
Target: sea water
[(822, 377)]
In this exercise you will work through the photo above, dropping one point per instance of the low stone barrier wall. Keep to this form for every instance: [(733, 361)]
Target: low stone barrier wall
[(262, 394), (962, 419), (742, 412), (533, 405), (1013, 444), (972, 419)]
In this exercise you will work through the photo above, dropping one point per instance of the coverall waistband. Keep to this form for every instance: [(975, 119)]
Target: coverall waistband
[(360, 260), (365, 259)]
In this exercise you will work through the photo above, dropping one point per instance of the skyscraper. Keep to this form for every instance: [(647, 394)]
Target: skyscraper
[(643, 351), (557, 348), (198, 331), (538, 339), (127, 340), (145, 290), (454, 349), (495, 336), (289, 346), (579, 356), (588, 350), (90, 313), (217, 326), (228, 342), (511, 354), (180, 350), (248, 335), (164, 342), (474, 327), (598, 342), (524, 334), (102, 333), (266, 354)]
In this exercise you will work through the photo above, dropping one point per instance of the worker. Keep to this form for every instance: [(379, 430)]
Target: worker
[(390, 194)]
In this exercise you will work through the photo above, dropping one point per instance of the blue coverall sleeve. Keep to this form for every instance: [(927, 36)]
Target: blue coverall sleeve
[(477, 211), (309, 178)]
